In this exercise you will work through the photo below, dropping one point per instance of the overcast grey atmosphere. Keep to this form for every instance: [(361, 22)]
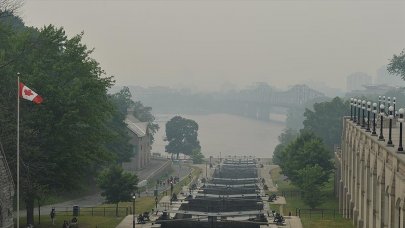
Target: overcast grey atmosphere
[(206, 44)]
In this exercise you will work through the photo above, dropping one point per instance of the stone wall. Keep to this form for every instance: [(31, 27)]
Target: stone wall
[(6, 196), (371, 178)]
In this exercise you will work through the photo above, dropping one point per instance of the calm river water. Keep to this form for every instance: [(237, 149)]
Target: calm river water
[(228, 134)]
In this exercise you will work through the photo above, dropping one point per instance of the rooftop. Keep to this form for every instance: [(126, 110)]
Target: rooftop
[(138, 128)]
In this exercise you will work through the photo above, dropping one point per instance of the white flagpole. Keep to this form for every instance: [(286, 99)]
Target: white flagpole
[(18, 150)]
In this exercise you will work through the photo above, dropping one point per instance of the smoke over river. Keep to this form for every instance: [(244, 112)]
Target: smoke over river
[(228, 134)]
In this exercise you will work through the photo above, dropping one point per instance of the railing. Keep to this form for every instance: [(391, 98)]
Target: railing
[(321, 213), (95, 211), (291, 194)]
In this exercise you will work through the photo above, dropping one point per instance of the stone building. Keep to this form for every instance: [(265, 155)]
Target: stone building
[(370, 177), (6, 194), (140, 140)]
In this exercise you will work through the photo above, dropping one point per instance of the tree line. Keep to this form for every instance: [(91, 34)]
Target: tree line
[(79, 128), (305, 153)]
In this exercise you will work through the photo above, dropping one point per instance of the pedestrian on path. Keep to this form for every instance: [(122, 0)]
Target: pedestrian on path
[(53, 214)]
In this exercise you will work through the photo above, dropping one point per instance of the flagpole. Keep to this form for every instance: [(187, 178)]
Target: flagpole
[(18, 150)]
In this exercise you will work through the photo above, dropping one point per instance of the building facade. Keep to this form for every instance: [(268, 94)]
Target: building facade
[(6, 194), (370, 177), (141, 144)]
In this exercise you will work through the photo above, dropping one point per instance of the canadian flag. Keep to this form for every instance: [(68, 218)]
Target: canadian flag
[(28, 94)]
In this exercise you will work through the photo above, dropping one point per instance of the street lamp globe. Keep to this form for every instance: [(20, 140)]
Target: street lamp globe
[(401, 115)]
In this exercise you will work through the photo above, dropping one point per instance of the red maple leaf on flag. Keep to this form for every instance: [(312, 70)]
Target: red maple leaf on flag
[(28, 92)]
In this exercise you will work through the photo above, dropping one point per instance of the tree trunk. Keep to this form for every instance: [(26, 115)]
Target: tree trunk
[(177, 156), (29, 205), (39, 212), (116, 211)]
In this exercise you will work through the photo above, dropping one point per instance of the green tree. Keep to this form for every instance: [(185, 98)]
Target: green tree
[(182, 133), (325, 120), (284, 139), (119, 144), (306, 149), (117, 186), (63, 140), (397, 65), (144, 114), (197, 156), (311, 184)]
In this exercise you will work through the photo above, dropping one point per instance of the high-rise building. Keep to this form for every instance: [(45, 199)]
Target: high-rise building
[(384, 77), (357, 81)]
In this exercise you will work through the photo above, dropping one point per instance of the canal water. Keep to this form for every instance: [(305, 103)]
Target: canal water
[(228, 134)]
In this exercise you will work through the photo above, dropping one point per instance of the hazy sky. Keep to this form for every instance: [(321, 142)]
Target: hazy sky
[(205, 43)]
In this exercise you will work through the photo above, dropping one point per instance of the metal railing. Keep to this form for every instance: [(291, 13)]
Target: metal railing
[(321, 213)]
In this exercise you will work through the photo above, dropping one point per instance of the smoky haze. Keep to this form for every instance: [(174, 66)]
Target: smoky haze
[(208, 44)]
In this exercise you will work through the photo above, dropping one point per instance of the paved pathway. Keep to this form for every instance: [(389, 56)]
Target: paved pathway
[(164, 203), (95, 199), (291, 221)]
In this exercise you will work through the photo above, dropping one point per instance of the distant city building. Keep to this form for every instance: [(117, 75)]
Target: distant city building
[(384, 77), (6, 194), (357, 80), (140, 141), (371, 90)]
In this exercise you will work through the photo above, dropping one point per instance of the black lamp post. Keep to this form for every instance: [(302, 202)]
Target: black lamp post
[(383, 101), (363, 120), (401, 120), (351, 108), (374, 133), (133, 211), (389, 101), (391, 116), (379, 103), (382, 113), (354, 110), (394, 101), (358, 112), (368, 116)]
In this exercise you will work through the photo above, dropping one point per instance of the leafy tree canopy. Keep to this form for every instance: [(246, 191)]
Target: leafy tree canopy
[(325, 120), (117, 185), (182, 133), (144, 114), (63, 140), (397, 65), (287, 136), (306, 149)]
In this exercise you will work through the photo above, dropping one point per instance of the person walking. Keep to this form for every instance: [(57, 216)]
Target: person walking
[(53, 214)]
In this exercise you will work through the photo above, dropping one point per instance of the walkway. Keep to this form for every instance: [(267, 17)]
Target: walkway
[(290, 221), (96, 199)]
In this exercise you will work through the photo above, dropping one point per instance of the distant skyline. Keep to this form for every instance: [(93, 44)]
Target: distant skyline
[(206, 45)]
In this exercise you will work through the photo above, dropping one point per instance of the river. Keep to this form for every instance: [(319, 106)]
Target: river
[(228, 134)]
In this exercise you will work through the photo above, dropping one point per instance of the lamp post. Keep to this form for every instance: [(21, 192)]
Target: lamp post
[(394, 101), (383, 101), (133, 211), (379, 103), (354, 107), (368, 116), (391, 116), (351, 108), (358, 112), (363, 107), (374, 133), (401, 120), (382, 113)]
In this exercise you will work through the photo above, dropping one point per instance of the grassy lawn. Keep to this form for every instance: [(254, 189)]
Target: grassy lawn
[(84, 221), (316, 219), (103, 216)]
